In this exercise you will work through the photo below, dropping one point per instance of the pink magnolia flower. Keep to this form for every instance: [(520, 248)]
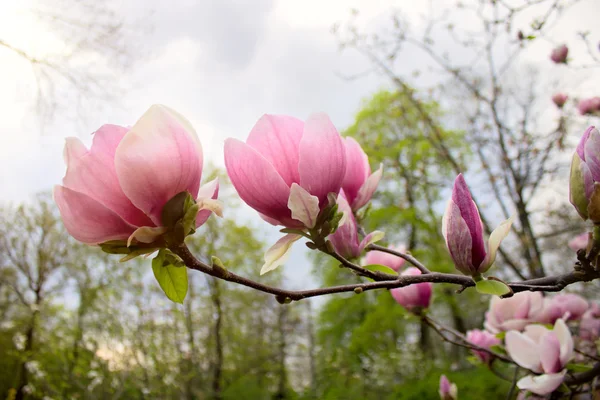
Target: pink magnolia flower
[(542, 351), (415, 296), (287, 167), (482, 339), (560, 99), (589, 106), (569, 306), (359, 184), (285, 171), (447, 390), (514, 313), (559, 54), (387, 259), (463, 230), (117, 189), (589, 327), (345, 239), (585, 173), (579, 242)]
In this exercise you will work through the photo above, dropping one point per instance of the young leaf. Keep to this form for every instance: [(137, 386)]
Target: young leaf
[(380, 268), (173, 280), (492, 287), (573, 367)]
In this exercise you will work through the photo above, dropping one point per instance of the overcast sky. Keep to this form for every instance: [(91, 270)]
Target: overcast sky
[(222, 64)]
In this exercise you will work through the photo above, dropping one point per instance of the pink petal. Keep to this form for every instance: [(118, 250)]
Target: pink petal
[(566, 341), (579, 242), (159, 157), (592, 152), (322, 163), (258, 183), (461, 196), (303, 205), (209, 190), (357, 169), (550, 353), (367, 189), (277, 138), (523, 350), (87, 220), (541, 384), (458, 238), (345, 238), (93, 173)]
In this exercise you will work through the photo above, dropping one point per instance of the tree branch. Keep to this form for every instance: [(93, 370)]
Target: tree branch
[(385, 281)]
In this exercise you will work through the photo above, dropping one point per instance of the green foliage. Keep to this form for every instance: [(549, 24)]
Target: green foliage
[(171, 276), (473, 384)]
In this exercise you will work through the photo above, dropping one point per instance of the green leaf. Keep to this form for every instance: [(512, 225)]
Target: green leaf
[(501, 335), (498, 349), (380, 268), (189, 219), (492, 287), (172, 279), (573, 367)]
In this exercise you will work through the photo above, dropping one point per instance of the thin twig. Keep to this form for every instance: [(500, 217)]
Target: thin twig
[(407, 257)]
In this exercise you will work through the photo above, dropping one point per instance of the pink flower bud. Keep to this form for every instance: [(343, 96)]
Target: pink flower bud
[(579, 242), (448, 390), (559, 54), (415, 296), (542, 351), (359, 184), (585, 172), (287, 167), (345, 240), (463, 230), (387, 259), (482, 339), (118, 188), (589, 106), (589, 327), (559, 99)]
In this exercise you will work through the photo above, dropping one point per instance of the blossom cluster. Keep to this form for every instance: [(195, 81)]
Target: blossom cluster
[(585, 106), (535, 332)]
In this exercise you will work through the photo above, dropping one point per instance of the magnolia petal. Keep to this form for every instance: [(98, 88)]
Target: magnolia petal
[(257, 182), (277, 139), (87, 220), (591, 150), (322, 162), (159, 157), (345, 238), (357, 169), (367, 189), (303, 205), (541, 384), (208, 191), (215, 206), (461, 196), (566, 341), (278, 253), (93, 173), (146, 234), (550, 353), (523, 350), (496, 237), (270, 220), (458, 239), (371, 238)]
